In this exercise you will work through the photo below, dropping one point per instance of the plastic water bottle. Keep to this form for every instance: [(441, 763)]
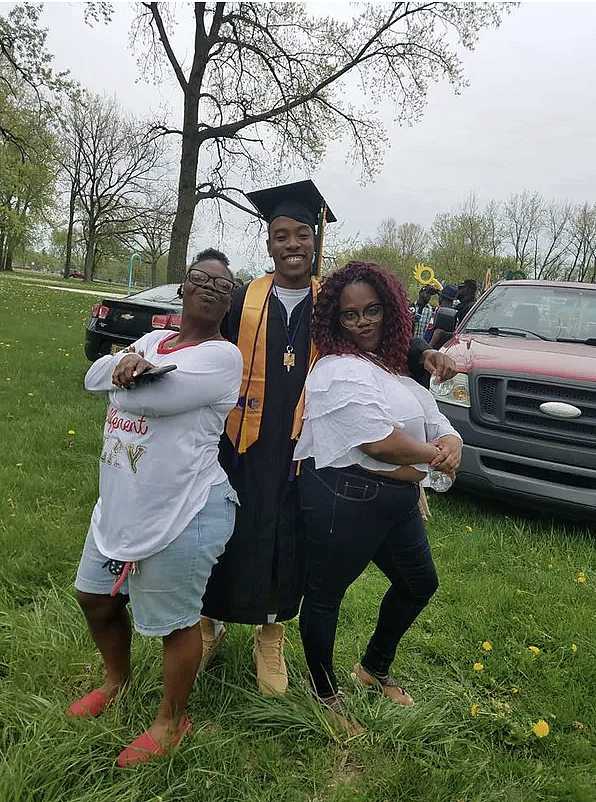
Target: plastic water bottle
[(439, 482)]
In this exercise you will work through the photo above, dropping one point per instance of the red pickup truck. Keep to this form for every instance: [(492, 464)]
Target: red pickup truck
[(524, 400)]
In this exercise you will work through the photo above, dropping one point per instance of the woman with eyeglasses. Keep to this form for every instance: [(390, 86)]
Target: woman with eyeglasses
[(166, 509), (370, 433)]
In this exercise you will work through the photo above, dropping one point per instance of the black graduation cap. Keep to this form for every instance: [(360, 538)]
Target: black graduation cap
[(300, 201)]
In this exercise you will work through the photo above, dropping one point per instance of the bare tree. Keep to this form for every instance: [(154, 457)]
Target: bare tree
[(523, 217), (151, 237), (550, 259), (494, 227), (266, 86), (118, 158), (409, 240), (581, 265)]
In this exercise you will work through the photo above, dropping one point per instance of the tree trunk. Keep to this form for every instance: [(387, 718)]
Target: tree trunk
[(187, 185), (90, 253), (7, 255), (153, 271), (71, 213)]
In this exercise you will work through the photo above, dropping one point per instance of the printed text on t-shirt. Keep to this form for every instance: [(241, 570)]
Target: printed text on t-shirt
[(115, 421)]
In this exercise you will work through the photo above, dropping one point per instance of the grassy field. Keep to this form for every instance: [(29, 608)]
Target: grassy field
[(508, 642)]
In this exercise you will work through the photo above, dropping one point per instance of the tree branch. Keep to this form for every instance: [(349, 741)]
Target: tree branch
[(153, 7)]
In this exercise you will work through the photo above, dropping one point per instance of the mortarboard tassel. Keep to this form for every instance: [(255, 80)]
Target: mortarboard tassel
[(318, 260)]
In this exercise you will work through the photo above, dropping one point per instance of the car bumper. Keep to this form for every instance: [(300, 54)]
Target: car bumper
[(99, 343), (525, 480)]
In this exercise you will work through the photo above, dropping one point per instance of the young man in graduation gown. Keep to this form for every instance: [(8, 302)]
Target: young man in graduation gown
[(260, 577)]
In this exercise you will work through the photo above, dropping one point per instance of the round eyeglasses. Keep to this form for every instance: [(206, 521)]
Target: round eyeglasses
[(201, 279), (351, 318)]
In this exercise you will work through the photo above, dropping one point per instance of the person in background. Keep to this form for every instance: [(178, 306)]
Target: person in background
[(437, 337), (166, 509), (370, 433), (260, 578), (423, 311), (466, 295)]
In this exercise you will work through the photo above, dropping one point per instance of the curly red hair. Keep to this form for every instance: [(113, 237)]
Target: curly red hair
[(327, 332)]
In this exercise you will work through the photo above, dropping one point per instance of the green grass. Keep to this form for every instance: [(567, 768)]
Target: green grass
[(511, 581)]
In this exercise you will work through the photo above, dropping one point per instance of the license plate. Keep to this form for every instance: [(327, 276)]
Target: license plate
[(116, 348)]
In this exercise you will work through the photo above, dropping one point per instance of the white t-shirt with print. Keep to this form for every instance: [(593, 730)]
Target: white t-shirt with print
[(350, 401), (159, 458)]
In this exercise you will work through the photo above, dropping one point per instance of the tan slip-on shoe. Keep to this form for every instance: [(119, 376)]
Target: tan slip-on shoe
[(338, 716), (423, 505), (387, 685), (268, 654), (210, 640)]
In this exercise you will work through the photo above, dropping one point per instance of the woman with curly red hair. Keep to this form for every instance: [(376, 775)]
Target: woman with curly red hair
[(370, 433)]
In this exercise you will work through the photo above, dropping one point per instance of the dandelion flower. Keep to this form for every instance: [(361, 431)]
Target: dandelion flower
[(534, 649), (541, 728), (574, 647), (551, 565), (31, 395), (71, 431), (581, 578), (474, 709), (514, 690), (19, 464), (478, 667), (487, 646), (8, 379), (469, 529)]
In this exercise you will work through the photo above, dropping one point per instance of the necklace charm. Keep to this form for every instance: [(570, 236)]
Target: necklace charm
[(289, 358)]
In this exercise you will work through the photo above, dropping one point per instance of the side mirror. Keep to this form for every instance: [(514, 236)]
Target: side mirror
[(445, 319)]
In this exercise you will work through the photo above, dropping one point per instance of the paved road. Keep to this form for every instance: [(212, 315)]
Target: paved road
[(74, 289)]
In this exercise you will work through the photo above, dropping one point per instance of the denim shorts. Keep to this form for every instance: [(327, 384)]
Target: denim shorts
[(167, 592)]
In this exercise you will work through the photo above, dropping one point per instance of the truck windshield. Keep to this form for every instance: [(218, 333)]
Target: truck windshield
[(547, 312)]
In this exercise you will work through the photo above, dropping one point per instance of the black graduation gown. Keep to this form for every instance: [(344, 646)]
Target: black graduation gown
[(263, 567)]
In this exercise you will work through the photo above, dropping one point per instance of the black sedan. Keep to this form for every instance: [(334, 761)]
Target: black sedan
[(116, 323)]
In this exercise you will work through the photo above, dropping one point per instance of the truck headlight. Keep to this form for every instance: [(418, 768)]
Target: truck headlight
[(453, 391)]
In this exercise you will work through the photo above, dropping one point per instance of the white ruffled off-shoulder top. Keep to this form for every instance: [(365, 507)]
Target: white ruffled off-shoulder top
[(350, 401)]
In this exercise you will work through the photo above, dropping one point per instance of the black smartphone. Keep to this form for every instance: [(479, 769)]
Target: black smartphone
[(153, 373)]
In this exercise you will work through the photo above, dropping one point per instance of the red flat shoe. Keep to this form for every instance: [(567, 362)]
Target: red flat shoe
[(145, 748), (91, 705)]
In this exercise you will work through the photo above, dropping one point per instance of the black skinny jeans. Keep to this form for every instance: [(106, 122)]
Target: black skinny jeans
[(351, 518)]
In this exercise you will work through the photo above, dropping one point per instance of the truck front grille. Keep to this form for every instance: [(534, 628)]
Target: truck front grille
[(514, 404)]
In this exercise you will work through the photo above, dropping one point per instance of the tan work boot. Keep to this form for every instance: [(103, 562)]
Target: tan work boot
[(210, 640), (268, 654), (387, 685)]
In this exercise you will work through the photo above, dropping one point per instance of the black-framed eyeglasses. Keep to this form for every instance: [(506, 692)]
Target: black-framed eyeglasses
[(201, 279), (351, 318)]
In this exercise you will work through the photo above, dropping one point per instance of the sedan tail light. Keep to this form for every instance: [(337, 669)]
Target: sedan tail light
[(160, 321), (100, 311), (166, 321)]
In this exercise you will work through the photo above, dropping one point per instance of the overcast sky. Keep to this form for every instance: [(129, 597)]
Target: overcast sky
[(526, 121)]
